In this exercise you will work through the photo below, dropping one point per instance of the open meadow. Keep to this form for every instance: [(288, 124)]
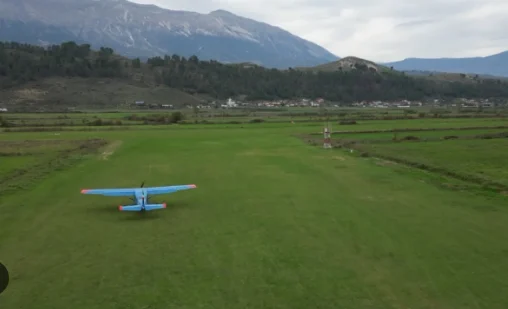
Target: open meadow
[(276, 221)]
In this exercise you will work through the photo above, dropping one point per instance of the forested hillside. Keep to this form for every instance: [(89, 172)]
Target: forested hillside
[(21, 63), (359, 84)]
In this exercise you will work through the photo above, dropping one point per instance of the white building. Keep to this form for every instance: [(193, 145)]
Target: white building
[(231, 103)]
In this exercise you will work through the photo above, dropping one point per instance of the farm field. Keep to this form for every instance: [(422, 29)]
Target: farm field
[(437, 134), (376, 117), (480, 158), (275, 222)]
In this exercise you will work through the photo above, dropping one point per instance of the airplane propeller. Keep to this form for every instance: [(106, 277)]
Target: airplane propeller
[(148, 198)]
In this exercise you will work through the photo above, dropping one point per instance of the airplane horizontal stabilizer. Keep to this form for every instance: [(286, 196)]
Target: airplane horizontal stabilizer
[(130, 208), (149, 207)]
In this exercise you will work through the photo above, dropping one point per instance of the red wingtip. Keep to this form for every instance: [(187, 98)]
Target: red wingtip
[(84, 191), (120, 208), (164, 205)]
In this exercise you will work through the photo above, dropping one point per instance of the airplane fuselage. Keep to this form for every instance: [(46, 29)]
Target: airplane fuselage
[(141, 196)]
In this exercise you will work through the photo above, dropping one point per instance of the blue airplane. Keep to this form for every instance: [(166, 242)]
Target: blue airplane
[(139, 195)]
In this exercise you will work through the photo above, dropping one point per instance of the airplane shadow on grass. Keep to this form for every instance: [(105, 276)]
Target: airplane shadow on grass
[(108, 210)]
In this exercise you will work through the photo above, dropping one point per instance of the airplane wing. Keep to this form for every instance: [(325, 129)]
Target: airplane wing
[(168, 189), (109, 192)]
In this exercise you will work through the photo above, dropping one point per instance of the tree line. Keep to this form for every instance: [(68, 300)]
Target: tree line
[(258, 83), (20, 63)]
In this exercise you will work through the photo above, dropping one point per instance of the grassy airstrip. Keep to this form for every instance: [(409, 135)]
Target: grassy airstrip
[(276, 222)]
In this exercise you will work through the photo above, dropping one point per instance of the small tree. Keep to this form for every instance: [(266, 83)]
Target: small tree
[(176, 117)]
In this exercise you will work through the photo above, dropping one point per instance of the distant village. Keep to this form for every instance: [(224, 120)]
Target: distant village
[(434, 103), (319, 102)]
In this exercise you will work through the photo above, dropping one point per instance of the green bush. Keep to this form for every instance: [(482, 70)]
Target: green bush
[(347, 122), (176, 117)]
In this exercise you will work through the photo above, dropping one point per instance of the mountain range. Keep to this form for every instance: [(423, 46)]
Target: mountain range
[(496, 65), (136, 30)]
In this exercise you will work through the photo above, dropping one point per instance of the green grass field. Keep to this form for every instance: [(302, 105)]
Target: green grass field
[(274, 223), (481, 158), (428, 135)]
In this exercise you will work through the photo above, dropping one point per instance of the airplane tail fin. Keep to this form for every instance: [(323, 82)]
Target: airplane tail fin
[(149, 207), (130, 208)]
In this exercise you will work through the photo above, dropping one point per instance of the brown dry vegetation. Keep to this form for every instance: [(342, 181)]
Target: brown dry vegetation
[(59, 94)]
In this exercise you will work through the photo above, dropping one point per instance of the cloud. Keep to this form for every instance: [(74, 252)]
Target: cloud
[(378, 30)]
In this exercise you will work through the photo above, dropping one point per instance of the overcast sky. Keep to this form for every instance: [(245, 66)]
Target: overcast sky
[(378, 30)]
